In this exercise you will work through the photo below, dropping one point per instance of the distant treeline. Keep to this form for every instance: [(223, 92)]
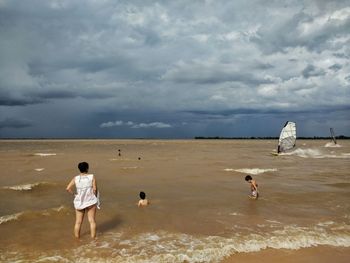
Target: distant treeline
[(341, 137)]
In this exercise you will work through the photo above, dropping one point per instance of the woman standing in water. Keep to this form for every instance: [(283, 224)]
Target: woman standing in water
[(85, 200)]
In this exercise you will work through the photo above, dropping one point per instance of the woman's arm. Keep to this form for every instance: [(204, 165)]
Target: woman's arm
[(70, 185), (94, 185)]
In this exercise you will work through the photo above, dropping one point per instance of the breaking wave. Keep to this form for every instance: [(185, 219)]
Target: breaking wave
[(8, 218), (129, 167), (254, 171), (332, 144), (121, 159), (39, 169), (26, 187), (30, 214), (315, 153), (176, 247), (45, 154)]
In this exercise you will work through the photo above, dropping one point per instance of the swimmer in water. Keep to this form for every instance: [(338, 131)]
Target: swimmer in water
[(143, 201)]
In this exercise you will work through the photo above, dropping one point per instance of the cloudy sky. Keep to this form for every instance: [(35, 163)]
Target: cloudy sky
[(173, 69)]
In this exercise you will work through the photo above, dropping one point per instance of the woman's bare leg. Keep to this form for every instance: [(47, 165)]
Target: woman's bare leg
[(91, 212), (79, 216)]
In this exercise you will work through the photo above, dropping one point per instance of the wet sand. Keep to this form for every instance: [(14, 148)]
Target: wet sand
[(305, 255)]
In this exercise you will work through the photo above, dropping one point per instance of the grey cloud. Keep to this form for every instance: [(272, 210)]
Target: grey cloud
[(9, 101), (137, 59), (336, 67), (263, 111), (312, 71), (14, 123), (341, 55), (314, 32), (210, 74)]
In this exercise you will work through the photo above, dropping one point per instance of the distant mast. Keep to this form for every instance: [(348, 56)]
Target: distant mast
[(333, 136), (288, 137)]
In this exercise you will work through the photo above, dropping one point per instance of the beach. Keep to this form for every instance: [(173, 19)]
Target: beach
[(199, 212)]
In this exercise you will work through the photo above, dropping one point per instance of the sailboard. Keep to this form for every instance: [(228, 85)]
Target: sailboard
[(287, 137), (333, 136)]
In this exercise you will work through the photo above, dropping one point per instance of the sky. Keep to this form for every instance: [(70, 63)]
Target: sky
[(173, 69)]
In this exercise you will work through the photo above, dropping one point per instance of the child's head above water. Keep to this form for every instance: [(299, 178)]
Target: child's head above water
[(83, 167), (142, 195), (248, 178)]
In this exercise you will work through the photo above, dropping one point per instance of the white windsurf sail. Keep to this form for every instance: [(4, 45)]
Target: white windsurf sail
[(333, 136), (288, 137)]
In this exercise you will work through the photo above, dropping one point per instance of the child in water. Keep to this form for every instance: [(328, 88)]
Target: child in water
[(253, 187), (143, 201)]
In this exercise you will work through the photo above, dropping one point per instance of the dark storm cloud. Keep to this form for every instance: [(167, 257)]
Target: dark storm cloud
[(14, 123), (19, 101), (245, 111), (191, 60), (211, 74)]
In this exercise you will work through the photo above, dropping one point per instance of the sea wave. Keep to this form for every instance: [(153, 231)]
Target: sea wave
[(26, 187), (332, 144), (315, 153), (129, 167), (170, 247), (8, 218), (163, 246), (254, 171), (45, 154), (121, 159), (31, 214)]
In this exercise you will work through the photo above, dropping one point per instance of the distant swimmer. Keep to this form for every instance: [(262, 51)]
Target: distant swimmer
[(253, 187), (119, 152), (143, 201), (139, 158)]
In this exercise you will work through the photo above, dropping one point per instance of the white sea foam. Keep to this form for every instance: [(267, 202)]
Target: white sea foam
[(129, 167), (273, 221), (50, 211), (170, 247), (177, 247), (55, 258), (251, 170), (26, 214), (8, 218), (315, 153), (39, 169), (45, 154), (121, 159), (25, 187), (327, 223), (235, 214), (332, 144)]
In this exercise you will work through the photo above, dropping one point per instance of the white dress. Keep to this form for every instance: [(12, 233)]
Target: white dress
[(85, 196)]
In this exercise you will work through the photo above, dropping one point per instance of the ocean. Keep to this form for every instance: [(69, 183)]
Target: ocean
[(199, 212)]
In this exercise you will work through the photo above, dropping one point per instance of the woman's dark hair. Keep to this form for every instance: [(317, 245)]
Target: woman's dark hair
[(248, 177), (83, 167), (142, 195)]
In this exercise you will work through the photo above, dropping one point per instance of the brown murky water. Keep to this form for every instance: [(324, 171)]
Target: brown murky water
[(199, 212)]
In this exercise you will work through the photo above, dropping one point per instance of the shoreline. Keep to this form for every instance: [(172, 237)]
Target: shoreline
[(319, 254)]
